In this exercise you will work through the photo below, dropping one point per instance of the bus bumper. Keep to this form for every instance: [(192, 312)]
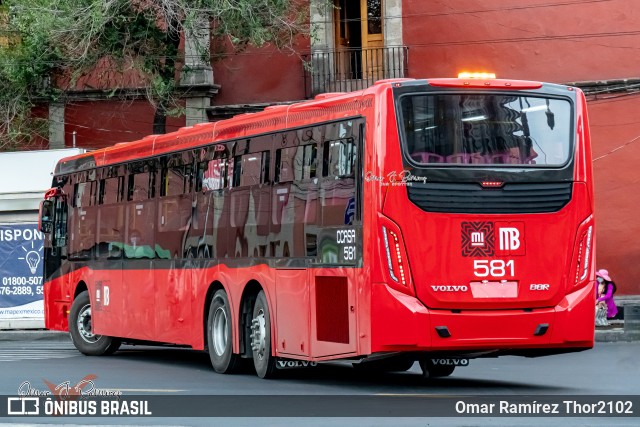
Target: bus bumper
[(402, 323)]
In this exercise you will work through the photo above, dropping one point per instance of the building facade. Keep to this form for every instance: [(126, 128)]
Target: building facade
[(588, 43)]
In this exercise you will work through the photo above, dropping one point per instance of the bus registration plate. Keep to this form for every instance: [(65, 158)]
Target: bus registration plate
[(502, 289)]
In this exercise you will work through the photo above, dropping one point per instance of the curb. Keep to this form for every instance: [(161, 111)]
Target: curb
[(617, 335), (34, 335)]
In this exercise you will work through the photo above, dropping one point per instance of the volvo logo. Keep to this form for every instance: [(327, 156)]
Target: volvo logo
[(449, 288), (289, 364), (454, 362)]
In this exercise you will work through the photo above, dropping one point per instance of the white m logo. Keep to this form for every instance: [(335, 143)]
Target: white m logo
[(477, 238), (509, 239)]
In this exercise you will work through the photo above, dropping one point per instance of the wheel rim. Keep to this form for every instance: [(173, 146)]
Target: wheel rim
[(259, 339), (219, 331), (84, 325)]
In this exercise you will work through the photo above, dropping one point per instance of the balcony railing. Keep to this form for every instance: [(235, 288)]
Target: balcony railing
[(352, 69)]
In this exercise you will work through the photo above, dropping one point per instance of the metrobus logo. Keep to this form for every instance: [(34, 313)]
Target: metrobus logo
[(479, 238), (509, 238)]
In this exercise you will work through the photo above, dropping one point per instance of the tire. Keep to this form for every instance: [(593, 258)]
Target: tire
[(220, 334), (81, 330), (263, 361), (429, 370)]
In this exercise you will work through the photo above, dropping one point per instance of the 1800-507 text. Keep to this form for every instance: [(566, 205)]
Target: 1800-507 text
[(21, 280)]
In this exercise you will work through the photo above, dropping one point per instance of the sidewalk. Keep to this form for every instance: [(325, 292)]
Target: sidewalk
[(33, 335), (615, 331)]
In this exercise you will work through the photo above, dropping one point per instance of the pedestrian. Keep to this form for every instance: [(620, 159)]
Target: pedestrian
[(604, 301)]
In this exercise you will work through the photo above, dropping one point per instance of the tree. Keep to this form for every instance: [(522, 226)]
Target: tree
[(57, 45)]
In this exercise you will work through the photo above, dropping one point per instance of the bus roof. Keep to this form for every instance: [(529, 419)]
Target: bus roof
[(333, 107), (325, 107)]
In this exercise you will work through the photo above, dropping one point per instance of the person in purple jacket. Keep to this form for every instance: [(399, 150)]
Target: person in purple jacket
[(606, 289)]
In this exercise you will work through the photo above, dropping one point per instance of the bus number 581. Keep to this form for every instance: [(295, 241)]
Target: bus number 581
[(349, 253), (494, 268)]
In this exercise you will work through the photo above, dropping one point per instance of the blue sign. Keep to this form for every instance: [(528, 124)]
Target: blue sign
[(350, 211), (21, 253)]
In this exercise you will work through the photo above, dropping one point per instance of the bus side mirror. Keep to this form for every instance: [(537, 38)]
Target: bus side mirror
[(45, 217)]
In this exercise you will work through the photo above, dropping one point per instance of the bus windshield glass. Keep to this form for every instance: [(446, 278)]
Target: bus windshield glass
[(486, 129)]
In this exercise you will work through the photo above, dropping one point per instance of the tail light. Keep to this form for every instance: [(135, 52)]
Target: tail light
[(584, 252), (395, 256)]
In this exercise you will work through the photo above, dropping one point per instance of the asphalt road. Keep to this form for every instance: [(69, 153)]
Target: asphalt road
[(609, 369)]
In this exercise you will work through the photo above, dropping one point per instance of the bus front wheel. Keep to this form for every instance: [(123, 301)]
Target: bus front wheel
[(263, 360), (81, 330), (219, 334)]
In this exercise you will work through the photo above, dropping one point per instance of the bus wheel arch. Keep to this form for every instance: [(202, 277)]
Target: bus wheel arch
[(81, 327), (80, 287)]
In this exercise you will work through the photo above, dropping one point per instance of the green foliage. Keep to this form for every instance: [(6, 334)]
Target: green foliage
[(52, 44)]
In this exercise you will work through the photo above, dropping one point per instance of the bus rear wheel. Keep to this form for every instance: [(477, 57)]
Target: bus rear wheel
[(81, 330), (263, 361), (431, 370), (220, 334)]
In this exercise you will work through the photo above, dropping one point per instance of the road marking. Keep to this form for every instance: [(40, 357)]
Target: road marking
[(20, 351)]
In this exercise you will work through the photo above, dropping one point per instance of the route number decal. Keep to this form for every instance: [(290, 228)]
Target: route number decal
[(493, 268)]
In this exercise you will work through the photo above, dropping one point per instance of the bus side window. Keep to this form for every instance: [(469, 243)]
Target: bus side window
[(235, 170), (110, 218), (60, 224), (110, 190), (174, 181), (138, 187), (265, 162), (83, 221), (251, 169), (296, 163), (339, 158), (213, 174), (284, 164), (84, 192)]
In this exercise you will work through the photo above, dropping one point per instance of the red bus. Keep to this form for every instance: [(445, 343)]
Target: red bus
[(417, 220)]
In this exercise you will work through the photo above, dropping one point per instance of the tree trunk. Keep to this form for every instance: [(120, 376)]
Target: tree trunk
[(172, 41), (160, 120)]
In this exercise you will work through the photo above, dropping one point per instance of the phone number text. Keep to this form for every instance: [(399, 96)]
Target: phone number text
[(21, 281)]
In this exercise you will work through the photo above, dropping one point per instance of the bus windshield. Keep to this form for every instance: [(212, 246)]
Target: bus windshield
[(486, 129)]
